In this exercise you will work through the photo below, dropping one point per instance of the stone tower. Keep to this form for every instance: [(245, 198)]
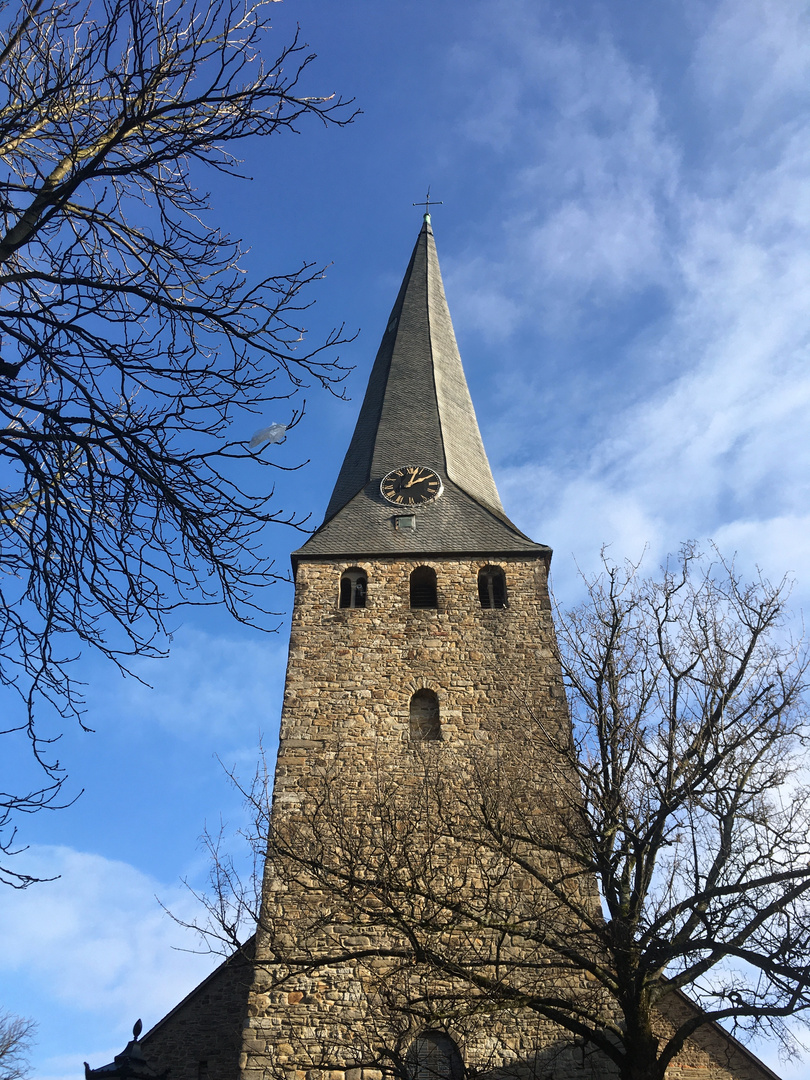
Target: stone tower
[(421, 646), (421, 615), (420, 611)]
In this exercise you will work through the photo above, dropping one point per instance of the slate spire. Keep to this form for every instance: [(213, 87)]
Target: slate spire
[(417, 411)]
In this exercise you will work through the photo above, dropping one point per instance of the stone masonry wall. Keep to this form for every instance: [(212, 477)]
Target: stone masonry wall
[(201, 1038), (344, 736), (345, 722), (345, 729)]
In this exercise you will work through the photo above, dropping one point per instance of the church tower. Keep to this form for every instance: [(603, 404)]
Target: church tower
[(423, 740), (421, 618)]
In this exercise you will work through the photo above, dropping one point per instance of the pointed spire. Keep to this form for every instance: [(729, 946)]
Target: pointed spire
[(417, 411), (417, 405)]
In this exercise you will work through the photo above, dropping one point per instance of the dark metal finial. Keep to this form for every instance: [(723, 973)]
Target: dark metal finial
[(130, 1064), (427, 204)]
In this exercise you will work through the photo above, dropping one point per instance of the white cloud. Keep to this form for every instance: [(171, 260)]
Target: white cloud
[(97, 941), (751, 62), (209, 686), (592, 164), (704, 433), (88, 954)]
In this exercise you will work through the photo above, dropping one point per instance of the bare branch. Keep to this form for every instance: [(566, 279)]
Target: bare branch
[(135, 352), (16, 1039), (581, 875)]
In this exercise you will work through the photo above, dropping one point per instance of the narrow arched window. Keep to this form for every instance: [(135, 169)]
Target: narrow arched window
[(492, 587), (353, 588), (425, 724), (434, 1056), (423, 587)]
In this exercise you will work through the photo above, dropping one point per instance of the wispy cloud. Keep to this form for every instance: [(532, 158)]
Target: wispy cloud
[(98, 935), (587, 165), (98, 945), (750, 67), (674, 269), (212, 686)]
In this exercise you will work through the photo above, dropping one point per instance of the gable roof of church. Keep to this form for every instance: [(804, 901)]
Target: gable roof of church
[(417, 411)]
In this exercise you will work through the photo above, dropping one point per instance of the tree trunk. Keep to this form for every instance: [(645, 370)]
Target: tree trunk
[(641, 1050)]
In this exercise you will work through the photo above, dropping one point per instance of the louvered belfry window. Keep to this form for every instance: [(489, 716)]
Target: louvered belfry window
[(492, 587), (423, 588)]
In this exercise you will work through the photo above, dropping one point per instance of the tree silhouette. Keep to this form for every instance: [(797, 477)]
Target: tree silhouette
[(133, 346)]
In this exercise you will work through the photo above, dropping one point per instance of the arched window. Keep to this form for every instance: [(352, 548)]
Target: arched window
[(434, 1056), (425, 722), (353, 587), (492, 587), (423, 587)]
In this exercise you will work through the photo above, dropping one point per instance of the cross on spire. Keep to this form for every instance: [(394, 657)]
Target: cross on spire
[(427, 204)]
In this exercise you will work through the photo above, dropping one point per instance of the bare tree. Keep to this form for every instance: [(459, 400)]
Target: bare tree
[(133, 347), (16, 1038), (585, 876)]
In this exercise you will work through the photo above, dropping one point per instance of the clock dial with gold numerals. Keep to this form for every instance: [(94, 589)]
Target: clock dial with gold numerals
[(411, 484)]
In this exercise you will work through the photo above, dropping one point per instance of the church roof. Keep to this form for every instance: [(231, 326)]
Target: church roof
[(417, 411)]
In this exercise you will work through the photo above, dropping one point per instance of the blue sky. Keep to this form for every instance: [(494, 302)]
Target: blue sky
[(625, 243)]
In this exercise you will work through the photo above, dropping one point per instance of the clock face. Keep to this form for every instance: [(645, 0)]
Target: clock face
[(411, 484)]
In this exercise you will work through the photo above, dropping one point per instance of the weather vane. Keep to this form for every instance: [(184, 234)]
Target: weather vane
[(427, 203)]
